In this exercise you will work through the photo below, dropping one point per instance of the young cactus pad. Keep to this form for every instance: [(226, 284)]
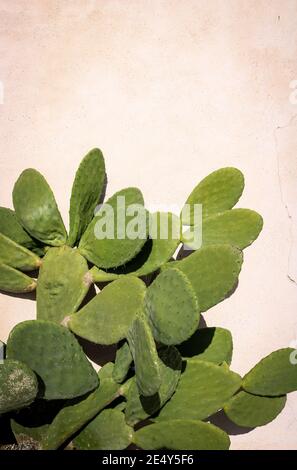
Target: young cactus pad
[(87, 188), (17, 256), (274, 375), (11, 228), (36, 208), (62, 283), (54, 354), (107, 318), (236, 227), (18, 385), (12, 280), (217, 192)]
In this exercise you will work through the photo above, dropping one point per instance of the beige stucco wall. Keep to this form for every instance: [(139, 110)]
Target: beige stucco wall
[(169, 90)]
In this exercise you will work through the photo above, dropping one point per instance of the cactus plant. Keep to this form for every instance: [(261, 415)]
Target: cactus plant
[(175, 387)]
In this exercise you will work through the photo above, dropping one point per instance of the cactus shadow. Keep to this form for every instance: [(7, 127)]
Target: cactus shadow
[(99, 354), (23, 295), (183, 253), (221, 420), (89, 296), (103, 194)]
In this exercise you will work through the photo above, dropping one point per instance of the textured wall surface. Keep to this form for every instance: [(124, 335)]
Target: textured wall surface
[(169, 90)]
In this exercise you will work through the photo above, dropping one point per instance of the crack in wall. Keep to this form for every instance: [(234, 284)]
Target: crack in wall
[(284, 203)]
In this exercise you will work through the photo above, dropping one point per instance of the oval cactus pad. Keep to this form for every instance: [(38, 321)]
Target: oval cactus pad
[(17, 256), (36, 208), (182, 434), (54, 354), (236, 227), (248, 410), (213, 272), (62, 283), (12, 280), (172, 307), (87, 188), (217, 192), (203, 389), (274, 375), (107, 318)]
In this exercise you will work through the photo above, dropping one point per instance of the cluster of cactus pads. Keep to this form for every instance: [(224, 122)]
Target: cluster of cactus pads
[(169, 377)]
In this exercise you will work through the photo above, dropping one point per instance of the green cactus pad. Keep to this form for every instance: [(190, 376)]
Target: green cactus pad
[(156, 251), (73, 417), (138, 407), (182, 434), (86, 191), (122, 362), (36, 208), (18, 385), (218, 192), (213, 272), (12, 280), (11, 228), (274, 375), (107, 318), (172, 307), (29, 436), (112, 252), (162, 249), (209, 344), (17, 256), (236, 227), (203, 389), (54, 354), (108, 431), (248, 410), (62, 283), (146, 361)]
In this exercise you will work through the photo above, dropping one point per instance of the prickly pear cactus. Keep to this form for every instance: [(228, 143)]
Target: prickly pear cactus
[(167, 373)]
